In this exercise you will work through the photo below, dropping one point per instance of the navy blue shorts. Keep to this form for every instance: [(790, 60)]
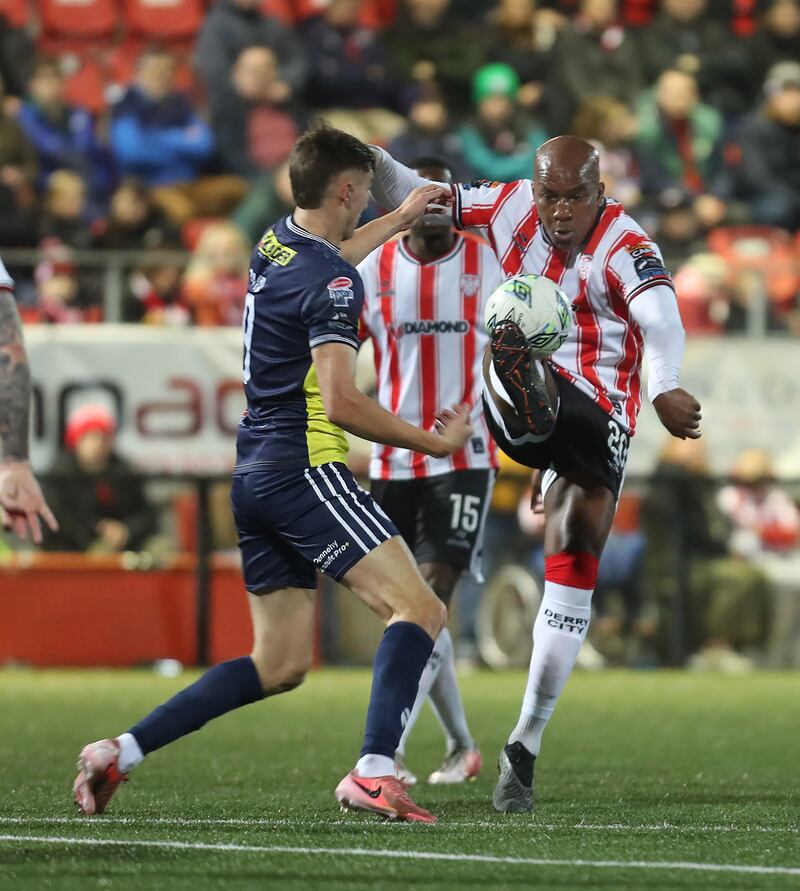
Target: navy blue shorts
[(294, 521)]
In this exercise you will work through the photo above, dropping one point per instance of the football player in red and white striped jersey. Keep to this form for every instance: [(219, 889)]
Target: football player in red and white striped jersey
[(424, 300), (572, 416)]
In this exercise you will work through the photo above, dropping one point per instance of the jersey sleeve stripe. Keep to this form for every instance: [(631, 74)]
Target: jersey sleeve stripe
[(650, 283), (333, 338)]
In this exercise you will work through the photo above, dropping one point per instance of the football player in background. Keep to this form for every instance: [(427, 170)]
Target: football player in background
[(424, 299), (573, 416), (296, 505), (21, 498)]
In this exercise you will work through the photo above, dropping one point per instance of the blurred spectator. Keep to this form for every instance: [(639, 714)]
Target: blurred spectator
[(100, 500), (594, 56), (700, 286), (60, 299), (768, 178), (778, 40), (66, 215), (501, 141), (156, 296), (350, 79), (680, 147), (432, 43), (679, 229), (16, 54), (766, 527), (216, 279), (254, 125), (134, 222), (233, 25), (269, 198), (716, 604), (158, 137), (430, 135), (685, 37), (523, 37), (762, 514), (612, 126), (18, 170), (62, 134)]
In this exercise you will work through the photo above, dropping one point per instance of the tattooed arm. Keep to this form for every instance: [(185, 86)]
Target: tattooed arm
[(20, 497)]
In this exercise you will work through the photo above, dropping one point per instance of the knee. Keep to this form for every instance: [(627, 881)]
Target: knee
[(279, 676), (428, 612)]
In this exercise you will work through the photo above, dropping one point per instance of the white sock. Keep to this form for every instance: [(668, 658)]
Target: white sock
[(446, 698), (426, 680), (558, 633), (375, 766), (130, 755)]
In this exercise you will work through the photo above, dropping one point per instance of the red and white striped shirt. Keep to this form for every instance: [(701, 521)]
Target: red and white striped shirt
[(603, 354), (426, 323)]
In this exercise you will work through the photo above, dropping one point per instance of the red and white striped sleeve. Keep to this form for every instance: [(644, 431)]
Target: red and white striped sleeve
[(476, 205)]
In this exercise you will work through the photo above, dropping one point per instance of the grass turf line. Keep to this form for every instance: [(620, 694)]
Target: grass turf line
[(636, 768)]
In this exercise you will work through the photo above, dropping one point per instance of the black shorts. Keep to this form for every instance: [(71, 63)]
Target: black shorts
[(585, 441), (294, 521), (442, 517)]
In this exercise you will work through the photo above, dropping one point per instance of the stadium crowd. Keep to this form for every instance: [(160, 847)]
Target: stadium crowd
[(134, 126)]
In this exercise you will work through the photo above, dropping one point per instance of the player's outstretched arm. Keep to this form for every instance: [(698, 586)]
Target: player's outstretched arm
[(393, 181), (21, 499), (348, 408), (655, 311), (372, 235)]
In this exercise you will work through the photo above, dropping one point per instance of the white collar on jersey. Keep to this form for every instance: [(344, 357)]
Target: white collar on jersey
[(299, 230)]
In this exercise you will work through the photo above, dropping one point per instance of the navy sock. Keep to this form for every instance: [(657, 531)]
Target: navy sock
[(221, 689), (401, 655)]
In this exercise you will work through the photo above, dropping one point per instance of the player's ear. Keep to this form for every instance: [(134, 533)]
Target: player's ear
[(601, 191), (345, 193)]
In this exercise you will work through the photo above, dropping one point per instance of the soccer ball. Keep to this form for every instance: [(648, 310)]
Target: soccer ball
[(540, 308)]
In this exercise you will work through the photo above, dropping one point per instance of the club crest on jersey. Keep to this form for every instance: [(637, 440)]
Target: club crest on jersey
[(585, 267), (470, 285), (340, 290)]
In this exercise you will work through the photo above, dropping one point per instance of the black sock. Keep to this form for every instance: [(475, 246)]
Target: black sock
[(401, 655), (221, 689)]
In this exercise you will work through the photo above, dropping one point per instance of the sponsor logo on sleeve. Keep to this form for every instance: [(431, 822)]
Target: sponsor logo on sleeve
[(646, 261), (340, 290)]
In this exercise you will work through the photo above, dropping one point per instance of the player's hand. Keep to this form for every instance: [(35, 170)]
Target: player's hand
[(417, 204), (679, 412), (22, 501), (454, 427)]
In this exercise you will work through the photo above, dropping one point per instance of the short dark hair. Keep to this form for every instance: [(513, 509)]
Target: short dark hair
[(320, 154), (425, 161)]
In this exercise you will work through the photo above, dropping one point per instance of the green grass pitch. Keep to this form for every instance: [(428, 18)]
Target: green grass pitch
[(642, 776)]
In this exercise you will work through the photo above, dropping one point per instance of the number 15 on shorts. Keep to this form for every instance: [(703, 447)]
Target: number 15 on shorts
[(465, 515)]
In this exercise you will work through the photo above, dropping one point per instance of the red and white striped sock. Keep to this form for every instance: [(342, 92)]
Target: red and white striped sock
[(559, 631)]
